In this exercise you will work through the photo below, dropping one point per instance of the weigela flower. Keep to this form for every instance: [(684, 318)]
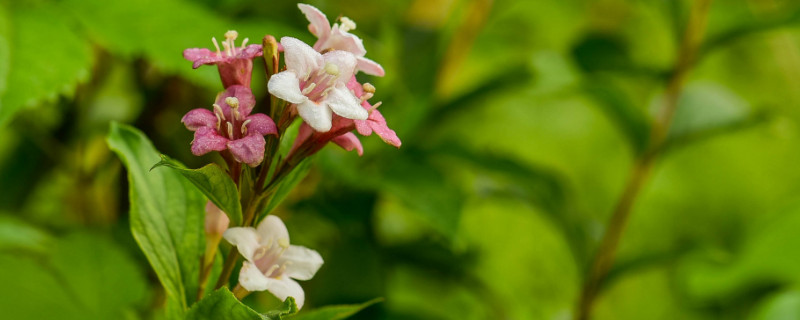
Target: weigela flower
[(231, 126), (235, 64), (338, 37), (272, 262), (317, 84), (309, 141)]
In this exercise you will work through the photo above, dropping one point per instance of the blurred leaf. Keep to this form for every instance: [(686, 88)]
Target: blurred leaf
[(423, 188), (87, 277), (287, 309), (5, 49), (763, 260), (286, 185), (17, 234), (161, 30), (602, 52), (629, 118), (221, 304), (783, 305), (104, 279), (166, 215), (214, 183), (335, 312), (31, 291), (40, 70), (704, 106), (783, 20)]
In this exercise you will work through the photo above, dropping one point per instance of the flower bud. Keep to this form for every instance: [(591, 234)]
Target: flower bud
[(216, 220)]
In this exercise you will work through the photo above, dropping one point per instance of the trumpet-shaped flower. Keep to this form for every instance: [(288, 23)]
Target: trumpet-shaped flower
[(272, 262), (231, 126), (235, 64), (317, 84), (309, 141), (338, 37)]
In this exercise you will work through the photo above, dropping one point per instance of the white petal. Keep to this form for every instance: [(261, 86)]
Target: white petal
[(300, 57), (272, 228), (252, 279), (285, 287), (370, 67), (318, 116), (286, 86), (319, 22), (302, 264), (345, 63), (244, 238), (345, 104)]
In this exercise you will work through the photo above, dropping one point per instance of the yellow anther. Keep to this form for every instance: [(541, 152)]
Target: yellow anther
[(231, 35), (232, 101), (368, 87), (332, 69), (347, 24), (283, 242)]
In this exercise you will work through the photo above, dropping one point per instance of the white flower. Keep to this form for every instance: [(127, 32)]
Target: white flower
[(317, 84), (271, 261), (338, 37)]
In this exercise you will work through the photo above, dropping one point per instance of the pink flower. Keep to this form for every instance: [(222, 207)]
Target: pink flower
[(317, 84), (309, 141), (231, 126), (235, 63), (337, 37)]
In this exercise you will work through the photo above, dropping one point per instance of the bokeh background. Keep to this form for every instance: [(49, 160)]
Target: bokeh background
[(520, 121)]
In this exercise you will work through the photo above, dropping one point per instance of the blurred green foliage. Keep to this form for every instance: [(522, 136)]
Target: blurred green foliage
[(519, 121)]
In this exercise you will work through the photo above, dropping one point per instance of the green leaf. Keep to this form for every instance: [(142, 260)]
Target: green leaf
[(629, 118), (705, 106), (214, 183), (104, 278), (86, 277), (221, 304), (17, 234), (782, 305), (287, 308), (166, 216), (335, 312), (47, 57), (161, 29)]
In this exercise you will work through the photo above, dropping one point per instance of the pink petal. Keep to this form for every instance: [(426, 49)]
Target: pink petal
[(303, 134), (370, 67), (249, 150), (197, 118), (378, 125), (319, 26), (349, 141), (251, 51), (201, 56), (363, 128), (246, 100), (235, 72), (262, 124), (354, 85), (206, 139)]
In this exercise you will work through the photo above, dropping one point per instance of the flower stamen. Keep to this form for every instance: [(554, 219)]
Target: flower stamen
[(216, 45)]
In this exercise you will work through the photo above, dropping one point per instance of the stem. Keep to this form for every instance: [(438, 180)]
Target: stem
[(239, 292), (604, 258), (227, 268)]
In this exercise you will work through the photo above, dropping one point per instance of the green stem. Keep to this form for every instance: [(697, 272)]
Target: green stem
[(604, 258), (227, 268)]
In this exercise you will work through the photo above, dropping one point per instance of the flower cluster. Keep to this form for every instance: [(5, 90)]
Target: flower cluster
[(316, 86)]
